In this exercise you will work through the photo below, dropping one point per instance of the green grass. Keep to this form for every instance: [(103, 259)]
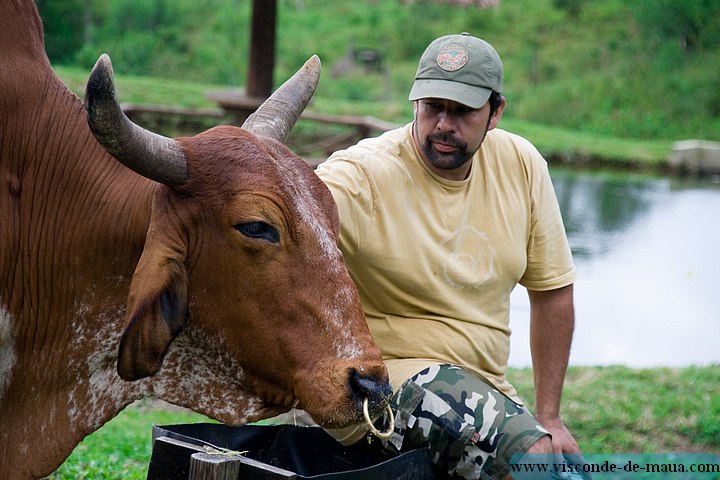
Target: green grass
[(583, 146), (618, 409), (608, 409), (122, 447), (557, 144), (144, 90)]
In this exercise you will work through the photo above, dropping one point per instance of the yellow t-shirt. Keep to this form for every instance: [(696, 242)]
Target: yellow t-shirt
[(435, 260)]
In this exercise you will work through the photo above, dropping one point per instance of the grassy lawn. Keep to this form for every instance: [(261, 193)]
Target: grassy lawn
[(618, 409), (557, 144), (609, 410), (122, 447)]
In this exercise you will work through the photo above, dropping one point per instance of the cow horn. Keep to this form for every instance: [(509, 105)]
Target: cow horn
[(278, 114), (149, 154)]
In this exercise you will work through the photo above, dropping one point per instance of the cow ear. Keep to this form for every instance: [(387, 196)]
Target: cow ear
[(157, 311)]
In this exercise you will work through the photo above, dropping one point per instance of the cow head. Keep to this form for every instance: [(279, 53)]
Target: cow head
[(241, 256)]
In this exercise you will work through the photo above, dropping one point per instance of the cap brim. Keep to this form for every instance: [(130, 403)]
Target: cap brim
[(474, 97)]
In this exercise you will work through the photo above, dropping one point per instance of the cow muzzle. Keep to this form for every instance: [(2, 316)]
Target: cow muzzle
[(378, 392), (335, 393)]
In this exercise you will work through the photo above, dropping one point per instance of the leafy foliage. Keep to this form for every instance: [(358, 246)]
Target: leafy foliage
[(641, 69)]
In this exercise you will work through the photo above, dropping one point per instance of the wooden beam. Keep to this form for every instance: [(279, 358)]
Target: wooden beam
[(262, 48), (171, 458)]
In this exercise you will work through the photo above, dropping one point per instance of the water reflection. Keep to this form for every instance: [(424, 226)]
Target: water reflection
[(598, 209), (648, 256)]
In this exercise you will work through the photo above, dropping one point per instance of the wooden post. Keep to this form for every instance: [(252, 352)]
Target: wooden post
[(204, 466), (262, 48)]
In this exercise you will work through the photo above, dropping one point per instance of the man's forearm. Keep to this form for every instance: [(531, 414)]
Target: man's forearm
[(552, 321)]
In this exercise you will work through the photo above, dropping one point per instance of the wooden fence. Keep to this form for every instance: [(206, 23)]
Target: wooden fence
[(174, 121)]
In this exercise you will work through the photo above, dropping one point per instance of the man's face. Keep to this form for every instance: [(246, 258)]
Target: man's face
[(449, 133)]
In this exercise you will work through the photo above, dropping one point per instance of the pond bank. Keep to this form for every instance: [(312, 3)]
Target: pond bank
[(699, 158)]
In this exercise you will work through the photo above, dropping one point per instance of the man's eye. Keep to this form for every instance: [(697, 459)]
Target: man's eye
[(260, 230)]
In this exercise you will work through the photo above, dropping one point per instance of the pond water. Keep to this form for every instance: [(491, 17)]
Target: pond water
[(647, 251)]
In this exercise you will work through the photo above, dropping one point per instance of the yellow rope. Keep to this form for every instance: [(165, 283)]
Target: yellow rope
[(222, 452)]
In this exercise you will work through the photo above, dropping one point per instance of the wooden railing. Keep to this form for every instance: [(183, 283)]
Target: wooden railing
[(188, 121)]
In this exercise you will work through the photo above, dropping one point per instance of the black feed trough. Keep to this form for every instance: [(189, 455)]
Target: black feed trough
[(269, 452)]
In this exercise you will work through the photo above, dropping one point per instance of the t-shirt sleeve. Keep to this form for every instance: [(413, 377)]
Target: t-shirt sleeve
[(353, 193), (549, 259)]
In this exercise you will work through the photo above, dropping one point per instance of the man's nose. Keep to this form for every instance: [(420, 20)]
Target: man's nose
[(446, 122)]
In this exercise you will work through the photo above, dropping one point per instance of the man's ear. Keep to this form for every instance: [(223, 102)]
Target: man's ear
[(497, 114), (157, 308)]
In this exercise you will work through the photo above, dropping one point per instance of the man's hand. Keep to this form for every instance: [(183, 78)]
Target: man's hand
[(562, 439), (561, 446)]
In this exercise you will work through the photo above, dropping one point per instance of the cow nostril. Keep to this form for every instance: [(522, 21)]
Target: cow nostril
[(378, 392), (362, 385)]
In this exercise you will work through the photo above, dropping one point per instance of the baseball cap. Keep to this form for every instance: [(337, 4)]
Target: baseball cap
[(461, 68)]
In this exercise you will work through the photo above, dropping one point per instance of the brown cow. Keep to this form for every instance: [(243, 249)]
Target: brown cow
[(212, 280)]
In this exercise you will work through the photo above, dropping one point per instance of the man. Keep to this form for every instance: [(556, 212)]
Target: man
[(440, 220)]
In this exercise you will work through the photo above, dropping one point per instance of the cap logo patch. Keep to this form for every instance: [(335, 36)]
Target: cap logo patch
[(452, 57)]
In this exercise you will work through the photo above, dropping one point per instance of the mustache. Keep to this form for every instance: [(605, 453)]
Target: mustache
[(447, 140)]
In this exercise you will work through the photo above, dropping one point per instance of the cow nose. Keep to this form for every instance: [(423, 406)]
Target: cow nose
[(378, 392)]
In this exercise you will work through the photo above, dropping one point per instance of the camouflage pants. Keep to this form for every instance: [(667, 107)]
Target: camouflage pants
[(471, 428)]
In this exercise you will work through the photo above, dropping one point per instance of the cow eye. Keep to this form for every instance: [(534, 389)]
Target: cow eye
[(260, 230)]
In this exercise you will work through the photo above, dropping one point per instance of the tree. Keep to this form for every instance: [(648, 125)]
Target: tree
[(694, 24)]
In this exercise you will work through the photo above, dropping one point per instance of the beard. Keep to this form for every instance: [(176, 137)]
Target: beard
[(446, 161)]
